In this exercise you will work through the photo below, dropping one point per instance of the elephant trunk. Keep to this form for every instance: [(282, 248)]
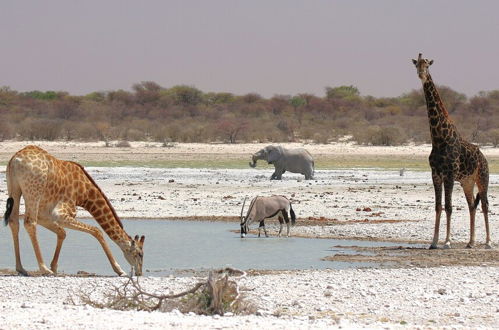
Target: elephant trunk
[(253, 161)]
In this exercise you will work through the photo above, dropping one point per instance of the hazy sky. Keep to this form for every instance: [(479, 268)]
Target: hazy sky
[(263, 46)]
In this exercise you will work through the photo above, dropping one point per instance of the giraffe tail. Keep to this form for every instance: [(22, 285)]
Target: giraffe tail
[(477, 200), (8, 211)]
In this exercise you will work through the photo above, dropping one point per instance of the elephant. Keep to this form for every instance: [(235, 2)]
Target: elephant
[(296, 160)]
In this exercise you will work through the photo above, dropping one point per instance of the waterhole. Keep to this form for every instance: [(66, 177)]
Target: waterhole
[(177, 247)]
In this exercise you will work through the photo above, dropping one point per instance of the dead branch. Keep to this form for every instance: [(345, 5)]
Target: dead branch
[(218, 295)]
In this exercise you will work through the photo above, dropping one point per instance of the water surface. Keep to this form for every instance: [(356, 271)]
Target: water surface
[(177, 246)]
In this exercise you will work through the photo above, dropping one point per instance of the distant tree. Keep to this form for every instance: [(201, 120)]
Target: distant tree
[(7, 95), (147, 86), (278, 103), (121, 96), (342, 92), (96, 96), (298, 104), (480, 105), (493, 137), (48, 95), (66, 107), (147, 92), (185, 95), (413, 101), (219, 98), (231, 127), (380, 136), (251, 98), (287, 128), (452, 99)]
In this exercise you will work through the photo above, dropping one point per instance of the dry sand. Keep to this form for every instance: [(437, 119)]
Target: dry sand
[(367, 204)]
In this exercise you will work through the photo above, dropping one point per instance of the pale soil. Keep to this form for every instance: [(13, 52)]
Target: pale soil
[(460, 289), (154, 151)]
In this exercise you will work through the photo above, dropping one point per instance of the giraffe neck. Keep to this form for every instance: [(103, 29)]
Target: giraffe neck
[(97, 204), (442, 128), (104, 214)]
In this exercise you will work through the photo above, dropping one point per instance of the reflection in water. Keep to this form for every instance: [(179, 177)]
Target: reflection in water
[(172, 246)]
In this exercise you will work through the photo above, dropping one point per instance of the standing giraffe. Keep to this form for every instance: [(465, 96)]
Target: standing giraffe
[(52, 189), (452, 159)]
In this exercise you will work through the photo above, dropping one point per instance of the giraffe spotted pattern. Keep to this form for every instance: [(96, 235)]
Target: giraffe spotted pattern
[(452, 158), (52, 189)]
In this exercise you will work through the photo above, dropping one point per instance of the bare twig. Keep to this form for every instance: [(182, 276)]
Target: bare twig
[(217, 295)]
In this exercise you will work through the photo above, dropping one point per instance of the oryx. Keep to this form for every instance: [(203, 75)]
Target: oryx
[(262, 208)]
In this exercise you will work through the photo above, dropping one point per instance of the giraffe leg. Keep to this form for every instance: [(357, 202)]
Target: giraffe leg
[(95, 232), (15, 193), (30, 227), (468, 193), (14, 228), (65, 215), (485, 211), (448, 187), (437, 185), (61, 235), (483, 183)]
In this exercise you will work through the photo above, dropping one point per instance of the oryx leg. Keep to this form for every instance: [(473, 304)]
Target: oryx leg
[(262, 225), (281, 221), (286, 219)]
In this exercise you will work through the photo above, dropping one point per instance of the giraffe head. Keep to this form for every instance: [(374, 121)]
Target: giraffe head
[(422, 65), (134, 254)]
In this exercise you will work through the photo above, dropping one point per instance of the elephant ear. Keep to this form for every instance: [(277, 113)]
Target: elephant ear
[(274, 155)]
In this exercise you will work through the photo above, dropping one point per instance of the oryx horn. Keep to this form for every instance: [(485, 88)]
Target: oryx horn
[(242, 208)]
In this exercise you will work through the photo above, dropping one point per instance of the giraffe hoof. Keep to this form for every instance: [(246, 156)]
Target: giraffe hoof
[(46, 272), (433, 247), (488, 246), (22, 272), (121, 273), (447, 246), (469, 246)]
